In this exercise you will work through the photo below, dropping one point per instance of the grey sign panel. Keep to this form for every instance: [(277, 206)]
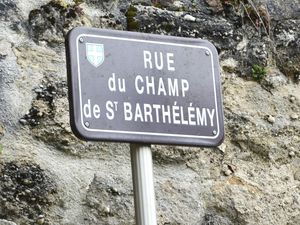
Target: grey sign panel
[(134, 87)]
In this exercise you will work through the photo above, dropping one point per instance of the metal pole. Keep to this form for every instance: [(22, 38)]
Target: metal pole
[(143, 186)]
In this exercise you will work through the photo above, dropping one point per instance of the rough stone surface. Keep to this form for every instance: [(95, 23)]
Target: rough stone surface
[(48, 176), (5, 222), (25, 192)]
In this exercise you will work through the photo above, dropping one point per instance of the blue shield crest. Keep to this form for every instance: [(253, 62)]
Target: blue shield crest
[(95, 53)]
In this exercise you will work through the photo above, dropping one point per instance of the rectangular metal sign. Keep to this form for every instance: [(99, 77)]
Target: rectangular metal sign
[(135, 87)]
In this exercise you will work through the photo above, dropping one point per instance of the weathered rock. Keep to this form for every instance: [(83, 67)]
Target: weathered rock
[(216, 5), (12, 98), (188, 17), (5, 222), (222, 147), (287, 36), (216, 220), (25, 191), (51, 22), (2, 130), (108, 204), (273, 80), (294, 116), (297, 175), (254, 181), (271, 119), (229, 65), (7, 8), (292, 154), (280, 9)]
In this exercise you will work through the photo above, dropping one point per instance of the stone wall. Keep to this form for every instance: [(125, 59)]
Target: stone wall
[(48, 176)]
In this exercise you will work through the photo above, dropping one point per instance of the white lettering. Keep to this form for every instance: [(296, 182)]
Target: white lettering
[(173, 87), (161, 66), (161, 87), (201, 117), (211, 116), (138, 113), (141, 89), (176, 114), (184, 86), (160, 59), (156, 107), (96, 110), (147, 59), (148, 113), (110, 111), (183, 121), (121, 84), (166, 113), (112, 83), (170, 61), (87, 109), (150, 85), (191, 113), (90, 110), (127, 111)]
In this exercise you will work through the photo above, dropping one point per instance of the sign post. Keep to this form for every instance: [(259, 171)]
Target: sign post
[(143, 89), (143, 186)]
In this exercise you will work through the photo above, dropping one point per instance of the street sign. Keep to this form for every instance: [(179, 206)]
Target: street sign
[(135, 87)]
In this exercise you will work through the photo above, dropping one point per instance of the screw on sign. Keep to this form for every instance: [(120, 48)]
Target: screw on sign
[(143, 88)]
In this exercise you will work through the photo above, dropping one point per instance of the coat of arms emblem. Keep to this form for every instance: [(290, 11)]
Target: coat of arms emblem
[(95, 53)]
